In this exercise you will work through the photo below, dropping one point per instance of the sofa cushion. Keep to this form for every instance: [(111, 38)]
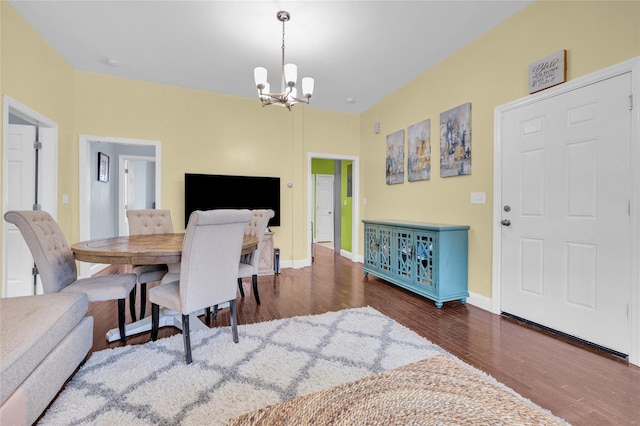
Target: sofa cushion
[(30, 327)]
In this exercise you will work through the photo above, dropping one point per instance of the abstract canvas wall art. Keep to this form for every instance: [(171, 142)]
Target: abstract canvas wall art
[(395, 158), (455, 141), (419, 155)]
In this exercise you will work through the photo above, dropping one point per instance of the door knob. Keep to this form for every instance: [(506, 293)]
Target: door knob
[(506, 222)]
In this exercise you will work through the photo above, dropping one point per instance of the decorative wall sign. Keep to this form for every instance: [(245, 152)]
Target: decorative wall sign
[(395, 157), (455, 141), (419, 155), (548, 72), (103, 167)]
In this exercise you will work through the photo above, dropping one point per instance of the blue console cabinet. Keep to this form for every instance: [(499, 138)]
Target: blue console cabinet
[(426, 258)]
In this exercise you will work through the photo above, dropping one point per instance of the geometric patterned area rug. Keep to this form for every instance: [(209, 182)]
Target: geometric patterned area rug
[(274, 361)]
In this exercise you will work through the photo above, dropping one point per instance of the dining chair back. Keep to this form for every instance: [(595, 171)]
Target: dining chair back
[(250, 263), (147, 222), (57, 267), (210, 251)]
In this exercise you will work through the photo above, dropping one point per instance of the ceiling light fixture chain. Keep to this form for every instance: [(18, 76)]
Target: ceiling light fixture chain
[(288, 94)]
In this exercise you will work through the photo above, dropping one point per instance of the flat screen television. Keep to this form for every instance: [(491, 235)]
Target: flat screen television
[(208, 192)]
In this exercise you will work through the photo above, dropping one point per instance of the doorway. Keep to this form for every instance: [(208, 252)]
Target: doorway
[(566, 235), (30, 182), (136, 189), (99, 206), (349, 220)]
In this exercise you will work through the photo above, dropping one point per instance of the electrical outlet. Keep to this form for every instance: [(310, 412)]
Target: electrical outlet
[(478, 198)]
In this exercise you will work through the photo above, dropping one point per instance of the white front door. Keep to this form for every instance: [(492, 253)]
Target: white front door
[(324, 208), (566, 218), (20, 188)]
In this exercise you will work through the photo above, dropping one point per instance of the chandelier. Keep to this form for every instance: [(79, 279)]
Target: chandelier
[(288, 95)]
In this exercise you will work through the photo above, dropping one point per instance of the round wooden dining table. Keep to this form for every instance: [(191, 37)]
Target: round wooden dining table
[(141, 249), (144, 250)]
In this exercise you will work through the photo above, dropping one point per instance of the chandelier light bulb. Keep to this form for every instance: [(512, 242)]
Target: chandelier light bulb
[(307, 86), (260, 76), (293, 94), (291, 74)]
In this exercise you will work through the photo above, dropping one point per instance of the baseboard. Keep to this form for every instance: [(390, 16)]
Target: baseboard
[(479, 301)]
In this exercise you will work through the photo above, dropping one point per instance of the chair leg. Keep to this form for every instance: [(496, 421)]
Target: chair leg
[(240, 287), (155, 321), (234, 320), (186, 337), (132, 304), (143, 299), (254, 281), (207, 316), (121, 303)]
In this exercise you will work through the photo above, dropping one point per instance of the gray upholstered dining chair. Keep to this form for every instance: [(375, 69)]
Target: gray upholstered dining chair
[(250, 263), (208, 270), (146, 222), (57, 267)]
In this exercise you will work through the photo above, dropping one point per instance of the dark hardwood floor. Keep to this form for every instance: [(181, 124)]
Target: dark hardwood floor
[(578, 383)]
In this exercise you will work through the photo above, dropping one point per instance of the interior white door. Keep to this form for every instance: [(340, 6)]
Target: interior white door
[(136, 187), (324, 208), (565, 222), (21, 196)]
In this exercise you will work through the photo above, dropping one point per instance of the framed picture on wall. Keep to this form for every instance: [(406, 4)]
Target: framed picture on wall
[(455, 141), (395, 158), (103, 167), (419, 162)]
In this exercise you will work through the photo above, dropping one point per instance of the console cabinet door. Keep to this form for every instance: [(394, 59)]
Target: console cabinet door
[(404, 255), (379, 248), (426, 262)]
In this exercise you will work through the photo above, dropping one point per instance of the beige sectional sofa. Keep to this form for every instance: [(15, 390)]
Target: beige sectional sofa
[(43, 340)]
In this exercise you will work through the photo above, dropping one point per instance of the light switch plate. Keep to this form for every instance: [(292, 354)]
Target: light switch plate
[(478, 198)]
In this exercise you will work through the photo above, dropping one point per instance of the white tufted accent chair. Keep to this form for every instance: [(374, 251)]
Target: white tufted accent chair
[(146, 222), (212, 245), (250, 263), (57, 267)]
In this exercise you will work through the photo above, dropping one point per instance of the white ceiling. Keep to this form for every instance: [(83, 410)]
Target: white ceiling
[(363, 50)]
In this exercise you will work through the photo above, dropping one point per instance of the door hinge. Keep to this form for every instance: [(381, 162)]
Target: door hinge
[(630, 102), (126, 170), (37, 145)]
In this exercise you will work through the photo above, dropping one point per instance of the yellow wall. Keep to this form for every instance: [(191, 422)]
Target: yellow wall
[(489, 72), (36, 76), (205, 132)]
